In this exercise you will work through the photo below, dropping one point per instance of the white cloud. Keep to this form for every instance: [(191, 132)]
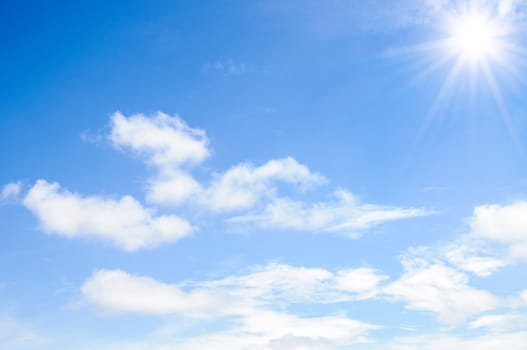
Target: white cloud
[(364, 281), (173, 148), (274, 325), (283, 283), (243, 185), (467, 257), (500, 322), (267, 286), (167, 142), (524, 296), (505, 224), (175, 188), (115, 291), (252, 307), (509, 341), (124, 222), (342, 214), (267, 330), (440, 289), (18, 335), (247, 305), (10, 191), (226, 67)]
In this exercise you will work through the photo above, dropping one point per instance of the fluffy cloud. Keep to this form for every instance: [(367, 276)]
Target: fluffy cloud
[(175, 188), (505, 224), (342, 214), (283, 283), (467, 257), (247, 303), (243, 185), (440, 289), (10, 191), (167, 142), (267, 330), (115, 291), (123, 222), (174, 148), (251, 306), (240, 187), (364, 281), (273, 284)]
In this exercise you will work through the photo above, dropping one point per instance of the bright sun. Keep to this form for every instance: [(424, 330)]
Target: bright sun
[(475, 36), (481, 45)]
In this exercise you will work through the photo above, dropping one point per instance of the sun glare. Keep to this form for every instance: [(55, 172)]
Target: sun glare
[(482, 48), (475, 36)]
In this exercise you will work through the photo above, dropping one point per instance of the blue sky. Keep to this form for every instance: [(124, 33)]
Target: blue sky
[(263, 175)]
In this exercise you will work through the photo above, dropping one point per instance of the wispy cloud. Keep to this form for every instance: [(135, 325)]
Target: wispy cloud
[(225, 67), (440, 289), (10, 191), (343, 213), (251, 306)]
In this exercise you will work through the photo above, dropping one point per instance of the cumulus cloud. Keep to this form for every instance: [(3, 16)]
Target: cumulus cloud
[(505, 224), (440, 289), (468, 257), (123, 222), (243, 185), (268, 330), (344, 213), (243, 194), (116, 291), (173, 148), (166, 141), (284, 283), (175, 188), (252, 191), (252, 304), (10, 191)]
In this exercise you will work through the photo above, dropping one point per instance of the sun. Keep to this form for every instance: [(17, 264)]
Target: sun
[(475, 36), (478, 49)]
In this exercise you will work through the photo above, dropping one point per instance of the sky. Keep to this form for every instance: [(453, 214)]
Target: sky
[(263, 175)]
